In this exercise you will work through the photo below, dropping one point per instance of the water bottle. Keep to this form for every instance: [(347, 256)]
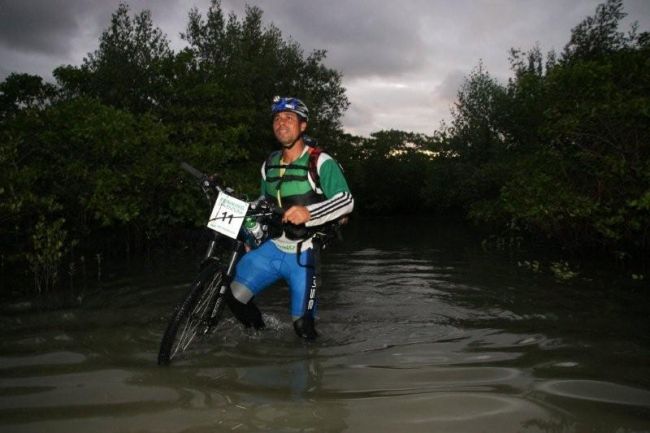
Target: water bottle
[(254, 228)]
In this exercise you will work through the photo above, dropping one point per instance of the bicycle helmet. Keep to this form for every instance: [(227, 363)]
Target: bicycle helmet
[(295, 105)]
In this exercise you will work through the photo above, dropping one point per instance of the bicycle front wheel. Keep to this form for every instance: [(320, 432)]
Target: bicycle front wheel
[(195, 315)]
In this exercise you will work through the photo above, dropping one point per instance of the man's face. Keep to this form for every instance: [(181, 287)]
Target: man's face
[(288, 127)]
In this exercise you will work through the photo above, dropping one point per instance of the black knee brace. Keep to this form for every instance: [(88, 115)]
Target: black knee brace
[(305, 328), (248, 314)]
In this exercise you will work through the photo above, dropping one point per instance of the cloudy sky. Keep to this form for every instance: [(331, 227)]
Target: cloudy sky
[(402, 61)]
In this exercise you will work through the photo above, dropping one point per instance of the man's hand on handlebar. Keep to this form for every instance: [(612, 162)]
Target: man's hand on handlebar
[(296, 215)]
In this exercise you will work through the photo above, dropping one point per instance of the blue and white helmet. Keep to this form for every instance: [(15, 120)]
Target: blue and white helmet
[(295, 105)]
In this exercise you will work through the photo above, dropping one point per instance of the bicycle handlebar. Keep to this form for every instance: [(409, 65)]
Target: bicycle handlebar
[(207, 183), (193, 171), (266, 207)]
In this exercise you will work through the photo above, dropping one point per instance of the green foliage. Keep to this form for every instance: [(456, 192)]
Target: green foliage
[(560, 152), (386, 171), (565, 146), (598, 35), (94, 159), (24, 92), (477, 118), (49, 245), (84, 163), (238, 66), (562, 271), (126, 70)]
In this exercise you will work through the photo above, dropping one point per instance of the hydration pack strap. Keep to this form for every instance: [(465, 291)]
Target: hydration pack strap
[(285, 178), (311, 169), (314, 153)]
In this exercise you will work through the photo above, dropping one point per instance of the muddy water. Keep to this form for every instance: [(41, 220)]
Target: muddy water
[(421, 331)]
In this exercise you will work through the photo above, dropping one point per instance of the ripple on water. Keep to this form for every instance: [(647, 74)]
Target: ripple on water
[(592, 390), (444, 412), (94, 388), (365, 381), (45, 359)]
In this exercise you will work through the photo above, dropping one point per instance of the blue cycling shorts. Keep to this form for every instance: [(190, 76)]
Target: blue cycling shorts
[(261, 267)]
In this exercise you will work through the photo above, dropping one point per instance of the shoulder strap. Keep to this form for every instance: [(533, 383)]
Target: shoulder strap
[(313, 165), (268, 164)]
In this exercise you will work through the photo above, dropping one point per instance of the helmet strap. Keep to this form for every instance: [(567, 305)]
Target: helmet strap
[(289, 146)]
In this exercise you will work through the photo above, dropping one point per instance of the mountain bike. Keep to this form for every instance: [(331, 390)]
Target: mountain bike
[(236, 226)]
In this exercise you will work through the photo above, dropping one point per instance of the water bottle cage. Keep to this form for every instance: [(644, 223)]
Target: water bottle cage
[(266, 216)]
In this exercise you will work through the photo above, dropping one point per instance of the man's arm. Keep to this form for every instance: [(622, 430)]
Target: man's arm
[(339, 200), (331, 209)]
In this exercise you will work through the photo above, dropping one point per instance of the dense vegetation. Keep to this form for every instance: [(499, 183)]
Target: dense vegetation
[(89, 165)]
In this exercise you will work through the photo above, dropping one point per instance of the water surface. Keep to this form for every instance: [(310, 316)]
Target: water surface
[(420, 329)]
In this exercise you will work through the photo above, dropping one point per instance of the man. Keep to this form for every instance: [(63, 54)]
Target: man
[(288, 179)]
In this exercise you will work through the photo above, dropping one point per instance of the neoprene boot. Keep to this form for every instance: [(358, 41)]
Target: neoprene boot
[(248, 314), (305, 328)]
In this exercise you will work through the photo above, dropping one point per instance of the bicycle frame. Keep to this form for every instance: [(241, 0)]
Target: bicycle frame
[(227, 275)]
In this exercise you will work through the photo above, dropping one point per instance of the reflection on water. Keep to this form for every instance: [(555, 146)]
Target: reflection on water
[(420, 332)]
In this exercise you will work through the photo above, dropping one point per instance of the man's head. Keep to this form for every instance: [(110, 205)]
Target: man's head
[(290, 117)]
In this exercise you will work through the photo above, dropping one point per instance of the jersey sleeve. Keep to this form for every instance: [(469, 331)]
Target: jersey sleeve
[(338, 201)]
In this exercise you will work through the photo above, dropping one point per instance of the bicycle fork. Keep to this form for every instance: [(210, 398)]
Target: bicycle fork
[(216, 302)]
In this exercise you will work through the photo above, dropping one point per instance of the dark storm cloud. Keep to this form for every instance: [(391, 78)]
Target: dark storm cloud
[(53, 27), (38, 26), (60, 28), (363, 38), (402, 62)]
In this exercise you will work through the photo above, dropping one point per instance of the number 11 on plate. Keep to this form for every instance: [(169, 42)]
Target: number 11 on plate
[(228, 215)]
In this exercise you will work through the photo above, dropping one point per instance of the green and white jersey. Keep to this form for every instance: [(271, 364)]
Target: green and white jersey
[(291, 184)]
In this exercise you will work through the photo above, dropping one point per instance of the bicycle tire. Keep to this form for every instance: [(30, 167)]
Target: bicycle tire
[(191, 318)]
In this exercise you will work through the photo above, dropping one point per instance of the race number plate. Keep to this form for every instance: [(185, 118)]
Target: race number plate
[(228, 215)]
